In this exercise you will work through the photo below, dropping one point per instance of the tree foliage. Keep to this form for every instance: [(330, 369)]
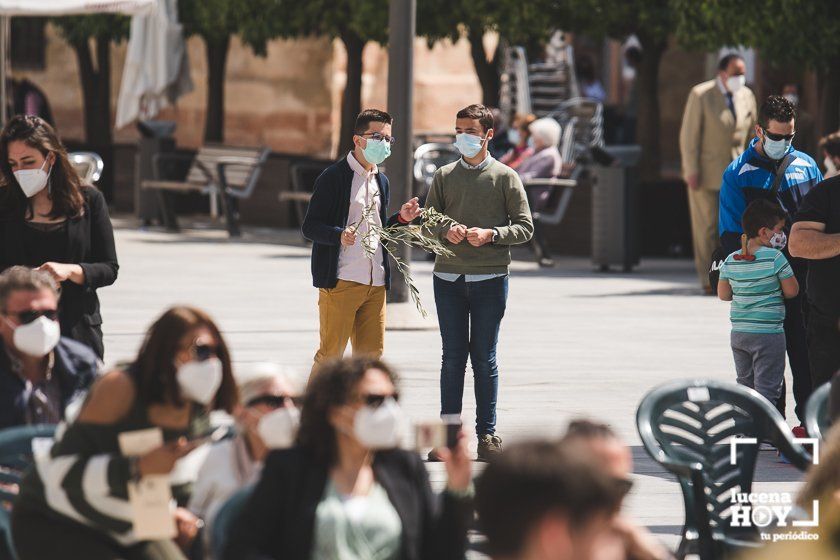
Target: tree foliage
[(800, 32), (805, 32)]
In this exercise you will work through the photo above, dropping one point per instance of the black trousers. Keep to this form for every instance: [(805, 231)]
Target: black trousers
[(796, 341), (824, 354)]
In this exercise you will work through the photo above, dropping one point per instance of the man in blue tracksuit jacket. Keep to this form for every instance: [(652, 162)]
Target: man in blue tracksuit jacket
[(750, 177)]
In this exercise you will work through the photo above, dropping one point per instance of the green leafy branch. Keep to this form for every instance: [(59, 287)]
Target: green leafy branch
[(411, 235)]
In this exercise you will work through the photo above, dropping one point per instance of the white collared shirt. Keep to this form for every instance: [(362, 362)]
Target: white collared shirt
[(353, 263)]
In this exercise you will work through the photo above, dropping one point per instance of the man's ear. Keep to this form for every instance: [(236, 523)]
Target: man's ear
[(489, 134)]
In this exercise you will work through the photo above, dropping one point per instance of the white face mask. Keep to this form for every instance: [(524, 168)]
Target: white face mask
[(380, 427), (32, 181), (734, 83), (199, 381), (778, 240), (278, 428), (37, 338), (793, 98)]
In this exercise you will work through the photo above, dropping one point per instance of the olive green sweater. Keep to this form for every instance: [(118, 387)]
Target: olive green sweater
[(489, 198)]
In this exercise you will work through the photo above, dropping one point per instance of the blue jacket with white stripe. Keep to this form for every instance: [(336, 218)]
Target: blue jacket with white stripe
[(750, 177)]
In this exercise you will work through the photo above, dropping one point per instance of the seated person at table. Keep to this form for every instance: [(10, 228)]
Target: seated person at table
[(40, 371), (544, 163), (520, 137)]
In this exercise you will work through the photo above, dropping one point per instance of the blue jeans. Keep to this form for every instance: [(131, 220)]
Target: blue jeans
[(469, 314)]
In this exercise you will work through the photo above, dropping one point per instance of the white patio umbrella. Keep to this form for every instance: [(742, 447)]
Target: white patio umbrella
[(156, 70), (9, 8)]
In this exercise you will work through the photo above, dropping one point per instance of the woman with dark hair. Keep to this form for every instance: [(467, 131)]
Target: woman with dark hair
[(48, 220), (345, 491), (76, 501)]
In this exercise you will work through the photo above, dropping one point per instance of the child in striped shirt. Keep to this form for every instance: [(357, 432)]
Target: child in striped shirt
[(755, 280)]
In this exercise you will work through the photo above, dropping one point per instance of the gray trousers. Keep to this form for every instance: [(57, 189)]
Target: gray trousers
[(760, 362)]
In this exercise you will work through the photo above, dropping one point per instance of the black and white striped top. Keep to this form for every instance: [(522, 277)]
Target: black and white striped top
[(81, 475)]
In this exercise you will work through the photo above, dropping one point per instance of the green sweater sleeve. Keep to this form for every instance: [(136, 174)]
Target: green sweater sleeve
[(521, 227)]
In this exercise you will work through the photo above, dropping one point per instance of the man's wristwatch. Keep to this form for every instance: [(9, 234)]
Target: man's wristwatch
[(495, 236)]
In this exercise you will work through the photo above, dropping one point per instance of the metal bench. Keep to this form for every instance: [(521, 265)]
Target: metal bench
[(223, 173), (302, 181)]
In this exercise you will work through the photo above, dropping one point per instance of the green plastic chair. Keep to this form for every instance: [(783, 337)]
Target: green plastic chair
[(222, 524), (817, 420), (686, 427), (15, 459)]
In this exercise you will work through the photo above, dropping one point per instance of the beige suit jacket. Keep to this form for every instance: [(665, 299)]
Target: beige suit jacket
[(710, 138)]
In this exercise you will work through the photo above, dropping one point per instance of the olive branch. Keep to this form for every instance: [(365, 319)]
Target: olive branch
[(412, 235)]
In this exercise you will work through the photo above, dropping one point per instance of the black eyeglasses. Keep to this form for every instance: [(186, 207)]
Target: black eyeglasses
[(202, 352), (381, 137), (376, 400), (275, 401), (26, 317), (774, 136)]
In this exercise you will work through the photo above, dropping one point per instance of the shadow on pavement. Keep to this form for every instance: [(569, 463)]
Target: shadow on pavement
[(769, 467)]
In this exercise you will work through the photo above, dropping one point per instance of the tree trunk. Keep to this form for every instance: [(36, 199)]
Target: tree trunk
[(647, 126), (96, 93), (829, 88), (351, 98), (101, 138), (88, 77), (217, 53), (486, 70)]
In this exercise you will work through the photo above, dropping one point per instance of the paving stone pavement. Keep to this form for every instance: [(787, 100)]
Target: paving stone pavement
[(574, 342)]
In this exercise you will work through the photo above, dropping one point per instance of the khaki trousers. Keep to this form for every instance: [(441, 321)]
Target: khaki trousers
[(351, 312), (703, 206)]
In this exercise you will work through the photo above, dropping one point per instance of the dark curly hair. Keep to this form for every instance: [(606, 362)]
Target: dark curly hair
[(332, 385), (775, 108), (65, 185)]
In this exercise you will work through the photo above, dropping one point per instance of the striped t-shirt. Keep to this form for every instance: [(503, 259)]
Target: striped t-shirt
[(757, 302)]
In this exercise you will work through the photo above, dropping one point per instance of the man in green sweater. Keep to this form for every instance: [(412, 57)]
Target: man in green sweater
[(487, 200)]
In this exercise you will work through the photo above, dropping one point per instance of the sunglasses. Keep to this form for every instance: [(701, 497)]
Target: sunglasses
[(275, 401), (376, 400), (26, 317), (380, 137), (777, 137), (202, 352)]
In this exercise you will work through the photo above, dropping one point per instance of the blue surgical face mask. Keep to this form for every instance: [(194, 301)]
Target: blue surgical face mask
[(775, 149), (468, 144), (376, 151), (514, 136)]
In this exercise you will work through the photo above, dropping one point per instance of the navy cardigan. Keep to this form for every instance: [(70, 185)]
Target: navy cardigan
[(326, 218)]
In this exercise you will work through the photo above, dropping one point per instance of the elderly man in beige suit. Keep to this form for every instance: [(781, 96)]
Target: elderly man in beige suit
[(719, 117)]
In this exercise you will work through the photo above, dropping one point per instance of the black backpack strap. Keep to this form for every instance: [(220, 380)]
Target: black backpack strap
[(780, 173)]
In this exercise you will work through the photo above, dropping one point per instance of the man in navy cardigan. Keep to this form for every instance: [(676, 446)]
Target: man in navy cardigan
[(351, 285)]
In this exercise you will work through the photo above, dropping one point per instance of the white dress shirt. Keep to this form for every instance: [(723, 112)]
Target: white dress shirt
[(353, 263)]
